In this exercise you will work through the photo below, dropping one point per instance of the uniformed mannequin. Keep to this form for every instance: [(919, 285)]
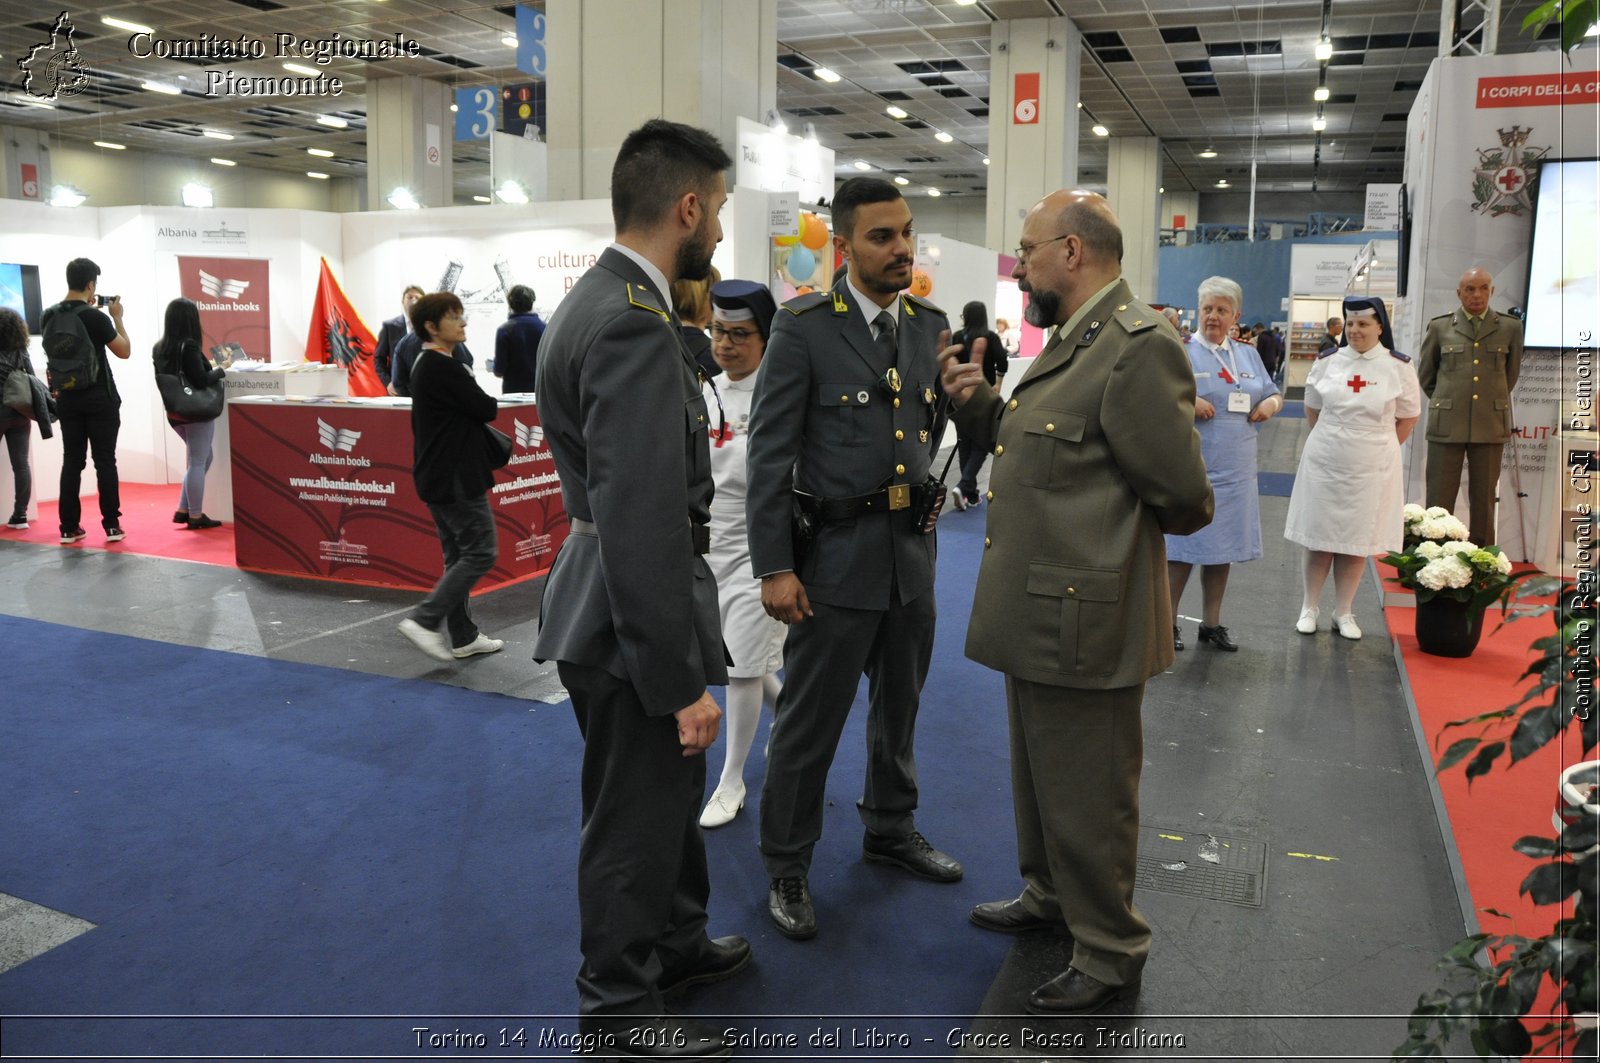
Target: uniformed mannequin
[(1096, 456), (843, 417), (1468, 367), (630, 608)]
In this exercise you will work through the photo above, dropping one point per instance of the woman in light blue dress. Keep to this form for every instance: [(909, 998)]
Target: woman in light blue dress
[(1234, 396)]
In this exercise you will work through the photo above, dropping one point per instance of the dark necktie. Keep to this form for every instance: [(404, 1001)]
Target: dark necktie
[(886, 344)]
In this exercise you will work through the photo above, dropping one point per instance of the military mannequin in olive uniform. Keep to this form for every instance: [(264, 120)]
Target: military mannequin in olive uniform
[(844, 417)]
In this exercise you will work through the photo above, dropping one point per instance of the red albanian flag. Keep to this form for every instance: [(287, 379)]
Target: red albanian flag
[(337, 334)]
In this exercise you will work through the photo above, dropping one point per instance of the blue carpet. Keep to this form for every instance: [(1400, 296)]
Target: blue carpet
[(260, 838)]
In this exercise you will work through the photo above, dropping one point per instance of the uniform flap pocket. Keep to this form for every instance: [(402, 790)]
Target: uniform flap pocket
[(1502, 404), (1442, 404), (844, 395), (1071, 581), (1058, 424), (1452, 348), (695, 412)]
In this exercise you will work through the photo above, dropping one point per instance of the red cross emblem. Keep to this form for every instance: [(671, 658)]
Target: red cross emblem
[(1356, 383), (1510, 178)]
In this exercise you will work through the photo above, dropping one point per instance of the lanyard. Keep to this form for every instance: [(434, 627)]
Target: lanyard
[(1230, 373)]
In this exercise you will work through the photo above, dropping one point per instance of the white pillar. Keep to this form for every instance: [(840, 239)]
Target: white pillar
[(1032, 152), (1133, 176), (409, 135)]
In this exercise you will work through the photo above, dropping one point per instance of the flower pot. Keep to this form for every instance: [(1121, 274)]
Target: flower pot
[(1448, 628)]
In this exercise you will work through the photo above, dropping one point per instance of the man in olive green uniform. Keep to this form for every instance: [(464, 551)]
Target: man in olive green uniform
[(1096, 457), (1468, 366)]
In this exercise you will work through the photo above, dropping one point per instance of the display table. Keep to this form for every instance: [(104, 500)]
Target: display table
[(323, 488)]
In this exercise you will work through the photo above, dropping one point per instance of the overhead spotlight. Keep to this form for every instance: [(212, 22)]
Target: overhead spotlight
[(303, 70), (1223, 183), (403, 199), (934, 192), (224, 162), (164, 89), (863, 164), (1324, 50), (1209, 153), (986, 160), (1321, 95), (901, 181), (1319, 123), (942, 137), (822, 73), (321, 153), (511, 192), (315, 174), (482, 199), (509, 40), (66, 196), (896, 112), (965, 3), (776, 122), (131, 27), (1161, 191), (1099, 130), (196, 194), (111, 145), (216, 134), (332, 121)]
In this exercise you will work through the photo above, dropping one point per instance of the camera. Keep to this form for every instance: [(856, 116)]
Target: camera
[(105, 300)]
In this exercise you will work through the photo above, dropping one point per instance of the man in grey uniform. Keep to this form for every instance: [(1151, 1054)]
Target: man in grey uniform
[(844, 412), (630, 608)]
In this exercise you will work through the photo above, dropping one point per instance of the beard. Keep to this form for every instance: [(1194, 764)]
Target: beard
[(1042, 309), (693, 260), (884, 283)]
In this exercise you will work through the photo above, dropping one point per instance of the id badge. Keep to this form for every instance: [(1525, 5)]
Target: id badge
[(1238, 402)]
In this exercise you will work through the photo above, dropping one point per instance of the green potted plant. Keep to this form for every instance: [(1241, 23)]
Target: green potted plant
[(1493, 980), (1454, 580)]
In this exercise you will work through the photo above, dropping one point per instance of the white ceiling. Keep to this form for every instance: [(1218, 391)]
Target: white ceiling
[(1194, 73)]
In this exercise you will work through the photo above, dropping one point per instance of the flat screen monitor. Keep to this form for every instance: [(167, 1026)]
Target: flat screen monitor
[(19, 291), (1564, 263)]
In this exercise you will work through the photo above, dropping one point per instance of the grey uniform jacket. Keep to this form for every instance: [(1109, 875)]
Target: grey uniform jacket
[(1468, 380), (623, 415), (1096, 456), (824, 421)]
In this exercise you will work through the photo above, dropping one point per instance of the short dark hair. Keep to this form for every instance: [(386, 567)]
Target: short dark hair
[(853, 194), (81, 272), (657, 165), (430, 310), (1332, 321), (520, 298), (13, 331), (408, 289)]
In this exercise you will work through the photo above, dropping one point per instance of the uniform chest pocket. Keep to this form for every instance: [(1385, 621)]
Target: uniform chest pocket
[(1051, 447), (844, 409), (697, 421), (1452, 356)]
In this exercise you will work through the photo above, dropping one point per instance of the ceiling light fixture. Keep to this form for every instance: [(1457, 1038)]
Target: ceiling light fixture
[(321, 153), (403, 199), (896, 112), (822, 73), (1319, 123), (482, 199), (1321, 95), (1209, 153), (131, 27), (332, 121), (196, 194), (305, 71), (216, 134), (165, 90), (1099, 130), (224, 162), (986, 160), (509, 40), (66, 196), (1324, 50), (901, 181), (1223, 183), (942, 137), (863, 164), (934, 192), (111, 145), (511, 192), (318, 176)]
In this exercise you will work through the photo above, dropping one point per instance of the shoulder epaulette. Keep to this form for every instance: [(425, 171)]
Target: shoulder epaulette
[(1329, 352), (1402, 357), (1443, 317), (811, 300), (910, 301), (645, 299), (1135, 317)]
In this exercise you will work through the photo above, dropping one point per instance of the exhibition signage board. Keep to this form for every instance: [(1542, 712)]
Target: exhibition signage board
[(235, 311), (1320, 269), (323, 489), (774, 161)]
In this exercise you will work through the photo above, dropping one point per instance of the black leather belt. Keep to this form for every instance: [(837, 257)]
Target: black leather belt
[(699, 534), (894, 497)]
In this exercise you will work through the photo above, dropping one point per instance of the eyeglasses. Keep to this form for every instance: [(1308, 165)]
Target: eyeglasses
[(1024, 250), (734, 335)]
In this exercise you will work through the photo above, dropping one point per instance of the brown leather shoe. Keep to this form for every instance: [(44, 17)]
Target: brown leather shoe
[(1076, 993), (1008, 917)]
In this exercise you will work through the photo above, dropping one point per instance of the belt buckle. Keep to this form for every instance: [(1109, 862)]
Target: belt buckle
[(899, 496)]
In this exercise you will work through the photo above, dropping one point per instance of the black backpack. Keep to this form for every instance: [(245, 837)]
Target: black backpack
[(72, 363)]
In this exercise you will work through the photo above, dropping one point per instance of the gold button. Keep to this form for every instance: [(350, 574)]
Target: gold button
[(701, 418), (1136, 324), (1124, 306), (844, 398), (1094, 324), (1477, 344), (1474, 380), (899, 470), (897, 404), (989, 495), (899, 434), (1072, 590), (1474, 398), (1049, 428), (986, 542), (1476, 361), (999, 449), (1012, 405)]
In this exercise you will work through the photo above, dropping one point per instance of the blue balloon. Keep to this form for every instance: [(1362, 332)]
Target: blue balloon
[(801, 264)]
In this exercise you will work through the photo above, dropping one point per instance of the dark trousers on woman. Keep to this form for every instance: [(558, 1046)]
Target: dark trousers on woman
[(971, 457), (466, 532), (21, 473), (85, 431)]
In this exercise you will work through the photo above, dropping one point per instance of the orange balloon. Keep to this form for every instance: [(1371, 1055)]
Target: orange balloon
[(813, 231), (921, 284), (804, 289), (786, 241)]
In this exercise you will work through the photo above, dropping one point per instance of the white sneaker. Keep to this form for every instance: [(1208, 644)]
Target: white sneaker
[(1346, 626), (1307, 624), (723, 806), (17, 524), (433, 643), (482, 644), (958, 499)]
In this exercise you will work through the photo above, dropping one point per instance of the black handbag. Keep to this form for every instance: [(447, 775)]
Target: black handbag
[(496, 446), (187, 404)]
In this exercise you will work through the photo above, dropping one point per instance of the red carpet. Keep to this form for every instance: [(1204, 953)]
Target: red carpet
[(1508, 803), (146, 517)]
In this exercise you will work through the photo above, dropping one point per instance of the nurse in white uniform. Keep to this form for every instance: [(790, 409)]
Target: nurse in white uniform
[(742, 314), (1362, 401)]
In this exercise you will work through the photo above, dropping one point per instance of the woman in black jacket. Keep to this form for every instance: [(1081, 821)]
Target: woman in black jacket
[(178, 351), (14, 425)]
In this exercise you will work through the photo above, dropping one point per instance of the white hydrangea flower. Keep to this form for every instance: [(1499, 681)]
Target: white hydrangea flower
[(1428, 550), (1432, 576), (1437, 511), (1412, 513), (1460, 549), (1429, 528), (1453, 527), (1458, 573), (1502, 564)]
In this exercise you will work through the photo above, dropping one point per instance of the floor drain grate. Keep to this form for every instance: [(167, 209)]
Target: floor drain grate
[(1231, 870)]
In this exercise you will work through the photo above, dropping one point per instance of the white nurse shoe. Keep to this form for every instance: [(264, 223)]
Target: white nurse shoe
[(1307, 624), (1346, 626), (723, 806)]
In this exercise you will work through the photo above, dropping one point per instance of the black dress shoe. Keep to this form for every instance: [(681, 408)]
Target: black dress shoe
[(1008, 917), (1076, 993), (723, 958), (1218, 637), (1177, 638), (914, 853), (789, 903), (642, 1037)]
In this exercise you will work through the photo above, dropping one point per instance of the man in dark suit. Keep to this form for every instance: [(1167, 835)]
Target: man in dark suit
[(841, 424), (1468, 368), (392, 332), (1096, 456), (1333, 338), (405, 356), (516, 342), (630, 608)]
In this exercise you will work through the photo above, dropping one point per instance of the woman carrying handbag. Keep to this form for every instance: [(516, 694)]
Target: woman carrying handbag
[(192, 394)]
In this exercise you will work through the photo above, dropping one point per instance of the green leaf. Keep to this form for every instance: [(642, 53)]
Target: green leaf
[(1524, 989), (1509, 1038), (1533, 845), (1550, 883), (1484, 760), (1535, 730), (1456, 751), (1579, 836), (1464, 950)]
